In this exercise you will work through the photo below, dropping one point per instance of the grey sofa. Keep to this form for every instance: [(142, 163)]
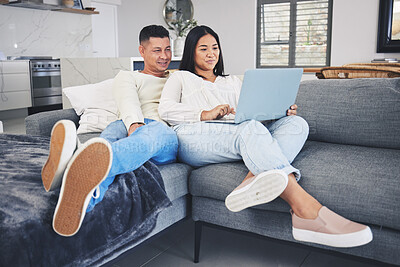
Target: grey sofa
[(175, 177), (350, 163)]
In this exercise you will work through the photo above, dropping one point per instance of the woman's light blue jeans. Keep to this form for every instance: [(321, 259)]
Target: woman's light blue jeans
[(261, 147), (154, 141)]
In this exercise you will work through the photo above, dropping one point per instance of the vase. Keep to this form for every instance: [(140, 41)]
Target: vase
[(68, 3), (179, 43), (168, 15)]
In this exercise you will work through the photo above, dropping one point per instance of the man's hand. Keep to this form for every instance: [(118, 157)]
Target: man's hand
[(292, 111), (133, 127), (217, 113)]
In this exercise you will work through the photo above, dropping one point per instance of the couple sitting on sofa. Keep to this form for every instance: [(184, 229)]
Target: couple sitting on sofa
[(200, 91)]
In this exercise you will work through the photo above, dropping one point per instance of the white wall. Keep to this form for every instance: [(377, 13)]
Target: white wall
[(133, 15), (34, 32), (354, 31), (235, 23)]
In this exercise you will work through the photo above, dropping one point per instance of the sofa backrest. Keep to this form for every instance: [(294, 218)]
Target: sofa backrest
[(362, 112)]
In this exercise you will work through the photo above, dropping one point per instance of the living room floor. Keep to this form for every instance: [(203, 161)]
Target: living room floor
[(226, 248), (174, 247)]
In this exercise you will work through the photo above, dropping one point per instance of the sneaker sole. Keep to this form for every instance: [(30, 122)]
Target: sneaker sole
[(265, 188), (61, 150), (87, 169), (334, 240)]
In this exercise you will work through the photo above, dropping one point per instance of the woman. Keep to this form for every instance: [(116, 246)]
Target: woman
[(201, 92)]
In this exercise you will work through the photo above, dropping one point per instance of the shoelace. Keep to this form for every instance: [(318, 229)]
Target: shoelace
[(96, 193)]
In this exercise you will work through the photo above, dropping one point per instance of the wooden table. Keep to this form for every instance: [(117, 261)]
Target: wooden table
[(317, 72)]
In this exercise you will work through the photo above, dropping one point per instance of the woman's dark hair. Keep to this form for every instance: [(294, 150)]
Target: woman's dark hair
[(187, 62)]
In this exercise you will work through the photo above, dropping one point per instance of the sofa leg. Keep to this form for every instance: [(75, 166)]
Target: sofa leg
[(197, 238)]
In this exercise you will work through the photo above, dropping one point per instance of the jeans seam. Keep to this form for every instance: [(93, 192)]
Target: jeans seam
[(251, 160)]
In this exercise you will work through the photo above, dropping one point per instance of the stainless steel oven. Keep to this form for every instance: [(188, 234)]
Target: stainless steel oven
[(45, 82)]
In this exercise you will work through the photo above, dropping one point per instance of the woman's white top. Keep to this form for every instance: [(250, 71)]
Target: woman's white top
[(186, 95)]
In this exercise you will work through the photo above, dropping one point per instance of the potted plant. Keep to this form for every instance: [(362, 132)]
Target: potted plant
[(181, 29), (169, 11)]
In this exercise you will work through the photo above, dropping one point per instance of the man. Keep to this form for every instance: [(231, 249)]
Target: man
[(138, 136)]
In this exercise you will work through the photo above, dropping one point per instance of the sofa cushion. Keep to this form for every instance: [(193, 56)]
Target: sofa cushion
[(360, 183), (95, 105), (175, 177), (352, 111)]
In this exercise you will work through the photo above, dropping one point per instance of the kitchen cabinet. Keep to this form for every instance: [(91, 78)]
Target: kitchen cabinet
[(15, 85)]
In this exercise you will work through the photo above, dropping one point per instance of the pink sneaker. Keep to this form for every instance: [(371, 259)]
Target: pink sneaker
[(259, 189), (330, 229)]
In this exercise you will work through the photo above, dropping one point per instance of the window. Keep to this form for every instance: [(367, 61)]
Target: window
[(293, 33)]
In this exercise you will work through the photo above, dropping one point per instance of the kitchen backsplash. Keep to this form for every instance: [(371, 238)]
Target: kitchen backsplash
[(34, 32)]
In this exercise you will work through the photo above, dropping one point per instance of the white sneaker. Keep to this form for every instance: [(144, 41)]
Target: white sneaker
[(62, 146), (257, 190), (88, 167)]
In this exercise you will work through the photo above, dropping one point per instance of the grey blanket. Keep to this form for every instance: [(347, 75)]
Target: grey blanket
[(127, 212)]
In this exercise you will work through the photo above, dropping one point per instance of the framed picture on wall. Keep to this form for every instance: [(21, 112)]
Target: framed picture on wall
[(389, 26)]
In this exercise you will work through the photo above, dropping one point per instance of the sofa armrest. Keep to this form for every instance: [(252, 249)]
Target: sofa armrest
[(42, 123)]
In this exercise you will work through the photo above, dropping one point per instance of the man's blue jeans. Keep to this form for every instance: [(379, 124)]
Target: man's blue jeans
[(154, 141), (261, 147)]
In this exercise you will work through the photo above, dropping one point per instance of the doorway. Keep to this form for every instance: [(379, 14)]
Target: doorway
[(105, 29)]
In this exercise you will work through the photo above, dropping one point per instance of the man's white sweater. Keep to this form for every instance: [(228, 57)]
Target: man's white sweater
[(137, 96)]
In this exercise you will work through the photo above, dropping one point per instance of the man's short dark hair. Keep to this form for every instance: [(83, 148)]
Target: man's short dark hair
[(152, 31)]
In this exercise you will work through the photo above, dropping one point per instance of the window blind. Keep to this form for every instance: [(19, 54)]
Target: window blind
[(293, 33)]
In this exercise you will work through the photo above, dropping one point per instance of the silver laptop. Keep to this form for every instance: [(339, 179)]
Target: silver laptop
[(266, 94)]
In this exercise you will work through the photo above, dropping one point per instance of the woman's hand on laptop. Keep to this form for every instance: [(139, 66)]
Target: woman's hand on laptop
[(292, 111), (217, 113)]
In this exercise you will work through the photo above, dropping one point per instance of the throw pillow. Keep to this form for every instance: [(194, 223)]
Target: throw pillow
[(95, 105)]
